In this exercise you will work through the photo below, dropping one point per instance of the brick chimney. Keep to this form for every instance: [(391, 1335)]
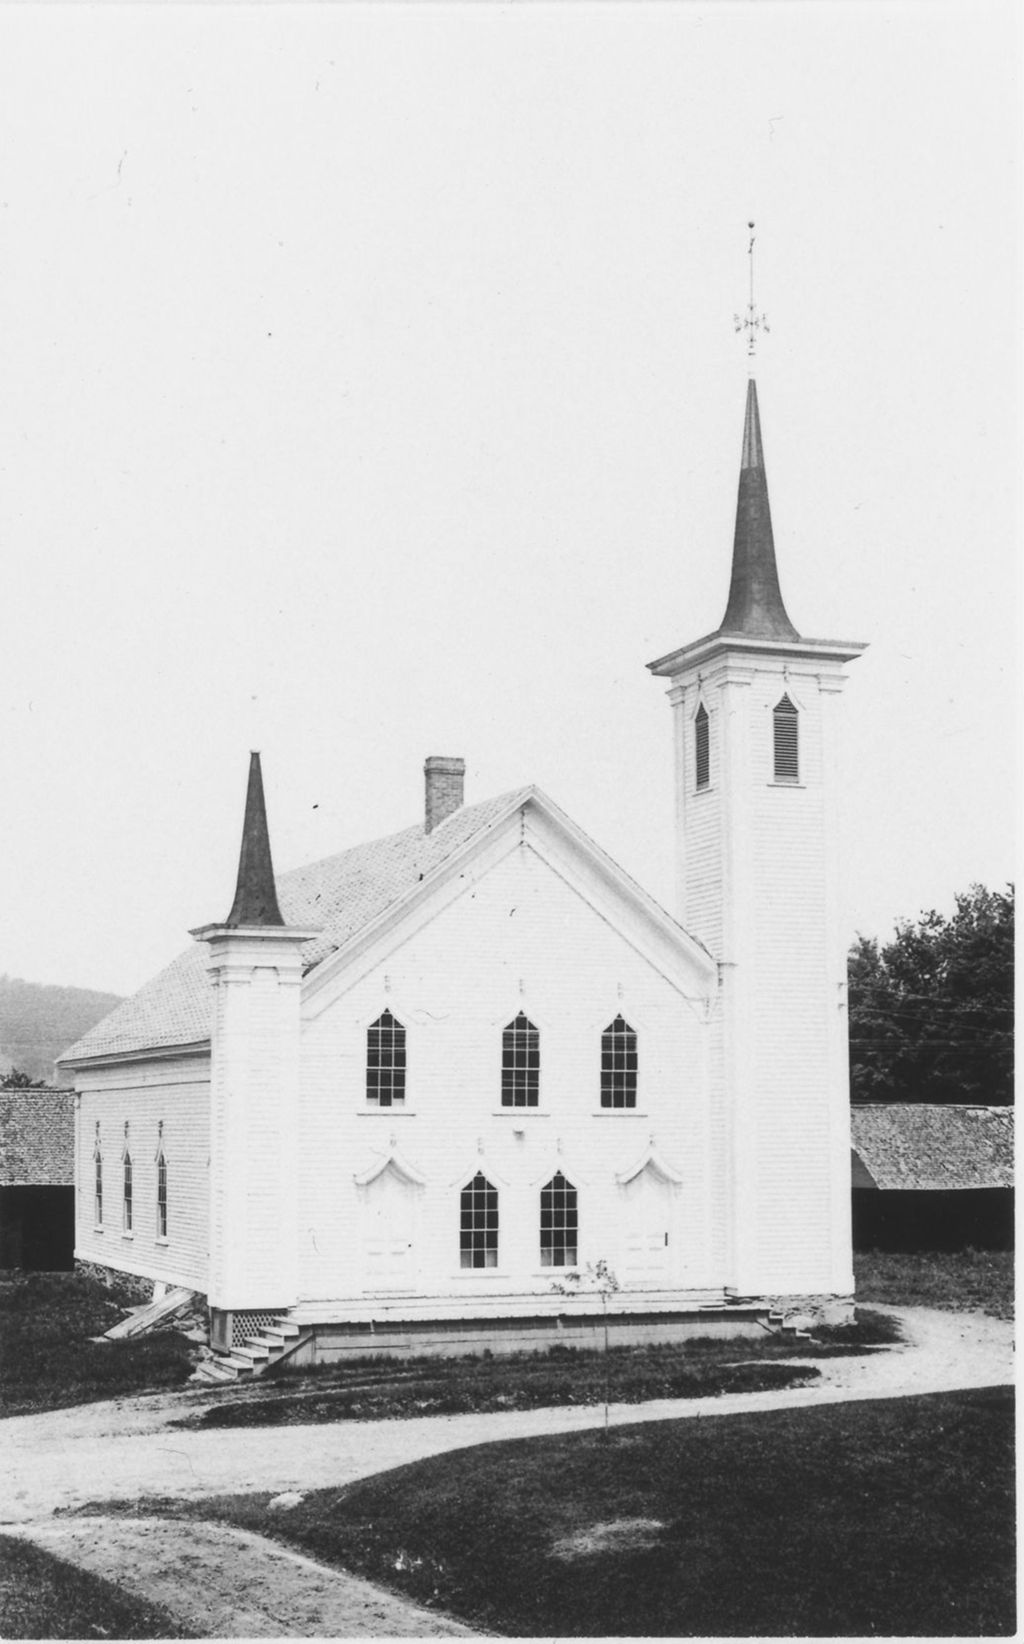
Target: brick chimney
[(444, 780)]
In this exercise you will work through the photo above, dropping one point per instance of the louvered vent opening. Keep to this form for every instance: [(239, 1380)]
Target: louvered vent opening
[(787, 744), (702, 747)]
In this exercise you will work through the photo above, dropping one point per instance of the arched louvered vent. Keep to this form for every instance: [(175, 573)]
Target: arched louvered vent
[(702, 746), (787, 741)]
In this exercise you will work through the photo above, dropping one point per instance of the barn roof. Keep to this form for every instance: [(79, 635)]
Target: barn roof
[(932, 1148), (37, 1138)]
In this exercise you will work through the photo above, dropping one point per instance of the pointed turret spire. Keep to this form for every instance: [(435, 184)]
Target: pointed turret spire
[(255, 901), (755, 606)]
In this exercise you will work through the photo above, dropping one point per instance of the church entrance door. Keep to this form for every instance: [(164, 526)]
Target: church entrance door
[(647, 1253), (389, 1238)]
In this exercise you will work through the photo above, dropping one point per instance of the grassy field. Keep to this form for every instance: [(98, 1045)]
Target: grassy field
[(883, 1517), (47, 1359), (957, 1281), (42, 1597), (371, 1389)]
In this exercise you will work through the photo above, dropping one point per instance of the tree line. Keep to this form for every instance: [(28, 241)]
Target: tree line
[(931, 1012)]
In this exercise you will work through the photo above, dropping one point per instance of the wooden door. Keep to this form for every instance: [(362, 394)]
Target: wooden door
[(389, 1234), (647, 1233)]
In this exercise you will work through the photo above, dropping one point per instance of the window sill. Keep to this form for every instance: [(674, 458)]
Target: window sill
[(468, 1273), (619, 1113), (97, 1228), (708, 787), (385, 1113), (787, 784), (162, 1238), (520, 1113), (127, 1235)]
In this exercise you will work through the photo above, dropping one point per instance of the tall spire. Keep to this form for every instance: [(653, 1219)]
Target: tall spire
[(755, 605), (255, 901)]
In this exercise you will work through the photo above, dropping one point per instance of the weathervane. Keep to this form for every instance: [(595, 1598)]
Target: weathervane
[(754, 322)]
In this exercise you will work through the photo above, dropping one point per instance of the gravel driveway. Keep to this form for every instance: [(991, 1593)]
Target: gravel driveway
[(126, 1448)]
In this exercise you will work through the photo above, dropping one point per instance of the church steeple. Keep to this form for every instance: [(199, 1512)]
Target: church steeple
[(755, 608), (255, 901)]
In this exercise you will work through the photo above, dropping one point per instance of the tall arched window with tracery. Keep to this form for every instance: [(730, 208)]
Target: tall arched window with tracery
[(478, 1219), (618, 1064), (520, 1063), (97, 1169), (559, 1223), (161, 1194), (385, 1062), (126, 1203)]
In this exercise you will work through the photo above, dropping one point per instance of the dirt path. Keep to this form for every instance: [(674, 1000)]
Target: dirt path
[(225, 1583), (127, 1449)]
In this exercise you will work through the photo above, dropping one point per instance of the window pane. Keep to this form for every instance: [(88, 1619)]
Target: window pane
[(520, 1063), (478, 1217), (558, 1223), (618, 1065), (385, 1061)]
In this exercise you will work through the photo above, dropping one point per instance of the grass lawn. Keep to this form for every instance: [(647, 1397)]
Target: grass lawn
[(883, 1517), (959, 1281), (373, 1388), (42, 1597), (47, 1359)]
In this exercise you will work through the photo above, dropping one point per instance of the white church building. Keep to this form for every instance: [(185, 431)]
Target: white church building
[(397, 1098)]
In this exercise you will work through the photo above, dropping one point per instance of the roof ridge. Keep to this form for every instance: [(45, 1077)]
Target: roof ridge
[(415, 829)]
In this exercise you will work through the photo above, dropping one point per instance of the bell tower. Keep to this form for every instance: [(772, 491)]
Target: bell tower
[(756, 712)]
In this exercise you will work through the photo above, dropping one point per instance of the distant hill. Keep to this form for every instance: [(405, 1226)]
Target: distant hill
[(38, 1023)]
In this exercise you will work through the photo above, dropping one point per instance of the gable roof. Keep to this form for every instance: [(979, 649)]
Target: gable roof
[(37, 1138), (340, 896), (933, 1148)]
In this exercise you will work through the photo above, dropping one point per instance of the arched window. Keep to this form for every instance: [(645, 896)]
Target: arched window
[(520, 1063), (558, 1223), (161, 1195), (787, 741), (97, 1165), (618, 1065), (702, 747), (478, 1232), (127, 1201), (385, 1062)]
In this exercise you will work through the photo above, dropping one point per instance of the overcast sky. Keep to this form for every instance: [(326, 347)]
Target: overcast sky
[(369, 389)]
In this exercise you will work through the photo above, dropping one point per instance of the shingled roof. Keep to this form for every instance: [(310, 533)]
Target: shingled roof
[(339, 896), (37, 1138), (932, 1148)]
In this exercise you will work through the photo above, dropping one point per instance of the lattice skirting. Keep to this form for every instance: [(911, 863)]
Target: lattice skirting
[(244, 1326)]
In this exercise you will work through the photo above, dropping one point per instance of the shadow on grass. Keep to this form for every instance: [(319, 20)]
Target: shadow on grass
[(43, 1597)]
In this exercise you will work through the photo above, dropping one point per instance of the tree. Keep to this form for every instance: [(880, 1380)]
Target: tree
[(597, 1278), (931, 1012), (21, 1081)]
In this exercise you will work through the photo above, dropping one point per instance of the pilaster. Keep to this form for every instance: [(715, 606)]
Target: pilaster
[(256, 973)]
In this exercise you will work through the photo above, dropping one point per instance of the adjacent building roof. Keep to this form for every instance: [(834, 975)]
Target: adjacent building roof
[(931, 1148), (37, 1138), (339, 896)]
